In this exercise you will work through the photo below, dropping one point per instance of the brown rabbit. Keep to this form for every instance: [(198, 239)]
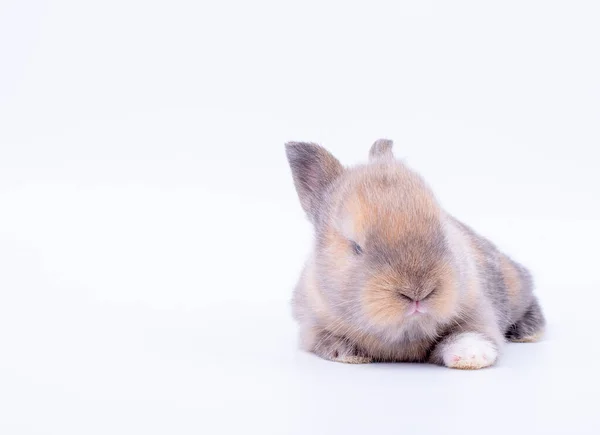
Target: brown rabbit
[(393, 277)]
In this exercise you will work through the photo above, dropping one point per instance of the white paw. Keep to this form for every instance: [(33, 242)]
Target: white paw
[(470, 351)]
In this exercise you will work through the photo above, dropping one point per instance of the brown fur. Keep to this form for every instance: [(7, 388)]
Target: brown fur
[(382, 243), (512, 282)]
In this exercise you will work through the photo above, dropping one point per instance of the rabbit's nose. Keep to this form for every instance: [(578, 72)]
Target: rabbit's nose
[(416, 308), (408, 296)]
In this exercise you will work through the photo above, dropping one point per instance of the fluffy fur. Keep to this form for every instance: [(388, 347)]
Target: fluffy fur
[(392, 277)]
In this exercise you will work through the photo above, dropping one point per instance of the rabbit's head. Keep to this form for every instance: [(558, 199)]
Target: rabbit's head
[(382, 259)]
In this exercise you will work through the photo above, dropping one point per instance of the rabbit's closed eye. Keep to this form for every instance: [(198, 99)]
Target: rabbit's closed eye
[(356, 247)]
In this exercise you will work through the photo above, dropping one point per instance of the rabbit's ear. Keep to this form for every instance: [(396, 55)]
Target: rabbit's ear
[(381, 149), (313, 169)]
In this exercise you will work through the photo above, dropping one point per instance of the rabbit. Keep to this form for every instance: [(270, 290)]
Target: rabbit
[(393, 277)]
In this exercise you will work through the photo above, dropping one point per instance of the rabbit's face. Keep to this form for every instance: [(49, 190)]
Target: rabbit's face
[(382, 256), (382, 259)]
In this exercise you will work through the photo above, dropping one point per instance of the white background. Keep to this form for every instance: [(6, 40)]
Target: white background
[(150, 235)]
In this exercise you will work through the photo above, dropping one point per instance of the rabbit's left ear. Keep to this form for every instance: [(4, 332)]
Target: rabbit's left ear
[(381, 149), (314, 169)]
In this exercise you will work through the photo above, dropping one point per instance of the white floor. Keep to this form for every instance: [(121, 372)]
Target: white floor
[(125, 310)]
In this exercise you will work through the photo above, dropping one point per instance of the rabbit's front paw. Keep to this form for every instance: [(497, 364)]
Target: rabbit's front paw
[(469, 351), (339, 349)]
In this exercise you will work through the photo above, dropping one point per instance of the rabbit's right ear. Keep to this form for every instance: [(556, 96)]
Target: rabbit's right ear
[(313, 169), (381, 149)]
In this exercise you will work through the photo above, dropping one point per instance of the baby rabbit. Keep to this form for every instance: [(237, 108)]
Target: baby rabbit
[(393, 277)]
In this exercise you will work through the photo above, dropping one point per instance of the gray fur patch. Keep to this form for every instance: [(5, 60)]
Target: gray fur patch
[(531, 324)]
